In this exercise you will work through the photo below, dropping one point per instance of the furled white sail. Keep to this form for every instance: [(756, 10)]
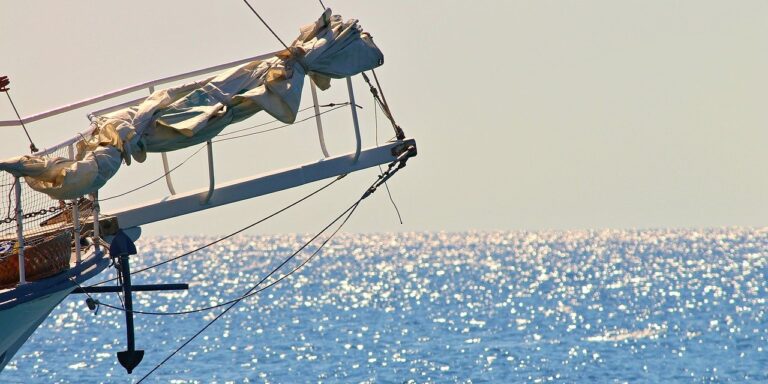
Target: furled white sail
[(193, 113)]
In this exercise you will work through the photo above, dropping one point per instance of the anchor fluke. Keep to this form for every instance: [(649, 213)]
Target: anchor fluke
[(130, 359)]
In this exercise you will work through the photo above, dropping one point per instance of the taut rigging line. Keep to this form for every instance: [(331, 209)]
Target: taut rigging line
[(265, 23), (393, 168), (4, 82)]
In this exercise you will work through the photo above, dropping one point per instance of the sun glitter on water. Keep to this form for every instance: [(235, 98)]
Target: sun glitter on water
[(596, 306)]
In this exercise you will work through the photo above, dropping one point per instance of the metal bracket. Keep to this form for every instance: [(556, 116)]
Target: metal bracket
[(403, 147), (358, 140), (167, 174), (211, 179), (318, 119)]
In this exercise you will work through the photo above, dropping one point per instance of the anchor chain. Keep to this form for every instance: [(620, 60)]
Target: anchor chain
[(43, 211)]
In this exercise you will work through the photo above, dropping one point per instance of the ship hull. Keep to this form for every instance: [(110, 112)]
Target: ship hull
[(25, 307), (19, 322)]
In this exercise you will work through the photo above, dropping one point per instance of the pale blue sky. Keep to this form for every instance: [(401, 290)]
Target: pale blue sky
[(528, 114)]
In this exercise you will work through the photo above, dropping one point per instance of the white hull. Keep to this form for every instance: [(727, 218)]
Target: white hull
[(19, 322)]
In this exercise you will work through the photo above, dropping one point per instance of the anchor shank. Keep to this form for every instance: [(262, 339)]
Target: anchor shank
[(121, 248), (125, 268)]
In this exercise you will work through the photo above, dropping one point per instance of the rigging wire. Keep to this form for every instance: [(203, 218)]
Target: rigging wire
[(322, 5), (254, 291), (251, 291), (384, 106), (376, 78), (336, 105), (157, 179), (382, 179), (376, 136), (265, 23), (265, 123), (231, 234), (32, 146), (392, 169), (225, 134)]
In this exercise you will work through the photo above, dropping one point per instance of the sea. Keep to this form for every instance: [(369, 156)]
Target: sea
[(592, 306)]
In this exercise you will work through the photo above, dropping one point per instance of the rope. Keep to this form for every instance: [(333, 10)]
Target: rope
[(265, 23), (223, 134), (266, 123), (392, 169), (382, 179), (376, 136), (157, 179), (336, 106), (32, 146), (376, 78), (253, 291), (382, 103), (231, 234), (198, 333)]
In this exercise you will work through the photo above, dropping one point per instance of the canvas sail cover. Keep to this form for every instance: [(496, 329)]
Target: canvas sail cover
[(193, 113)]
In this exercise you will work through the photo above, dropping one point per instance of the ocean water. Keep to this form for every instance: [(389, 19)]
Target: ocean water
[(658, 306)]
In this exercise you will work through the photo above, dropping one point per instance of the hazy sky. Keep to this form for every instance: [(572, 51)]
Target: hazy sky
[(528, 114)]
